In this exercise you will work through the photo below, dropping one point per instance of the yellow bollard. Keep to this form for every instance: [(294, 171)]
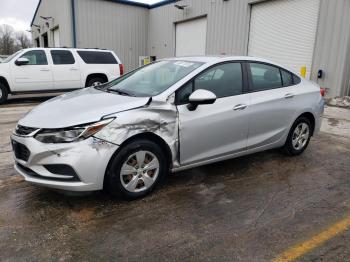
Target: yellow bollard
[(303, 71)]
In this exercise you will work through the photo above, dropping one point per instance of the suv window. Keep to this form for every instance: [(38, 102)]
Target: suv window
[(94, 57), (62, 57), (265, 77), (35, 57)]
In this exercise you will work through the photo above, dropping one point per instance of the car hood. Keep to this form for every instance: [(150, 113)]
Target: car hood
[(79, 107)]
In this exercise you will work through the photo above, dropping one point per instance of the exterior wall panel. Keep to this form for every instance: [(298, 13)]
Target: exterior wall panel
[(62, 17), (228, 23), (118, 27), (332, 48)]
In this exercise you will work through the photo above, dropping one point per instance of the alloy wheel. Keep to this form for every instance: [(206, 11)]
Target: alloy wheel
[(97, 83), (300, 136)]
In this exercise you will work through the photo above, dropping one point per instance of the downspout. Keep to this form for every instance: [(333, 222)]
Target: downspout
[(73, 24)]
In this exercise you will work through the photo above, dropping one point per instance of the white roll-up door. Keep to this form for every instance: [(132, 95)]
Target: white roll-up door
[(284, 31), (191, 37)]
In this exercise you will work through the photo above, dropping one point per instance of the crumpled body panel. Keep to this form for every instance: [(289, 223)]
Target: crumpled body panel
[(159, 118)]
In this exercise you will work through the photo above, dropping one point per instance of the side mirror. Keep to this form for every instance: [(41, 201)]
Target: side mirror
[(200, 97), (22, 61)]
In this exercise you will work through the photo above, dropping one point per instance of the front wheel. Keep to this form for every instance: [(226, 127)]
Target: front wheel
[(136, 170), (299, 137)]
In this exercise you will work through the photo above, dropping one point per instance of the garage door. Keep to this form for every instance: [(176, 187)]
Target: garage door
[(284, 31), (191, 37)]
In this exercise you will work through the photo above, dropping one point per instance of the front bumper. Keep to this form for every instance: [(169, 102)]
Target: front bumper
[(88, 160)]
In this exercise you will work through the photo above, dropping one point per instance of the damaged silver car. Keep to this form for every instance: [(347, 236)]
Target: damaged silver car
[(171, 115)]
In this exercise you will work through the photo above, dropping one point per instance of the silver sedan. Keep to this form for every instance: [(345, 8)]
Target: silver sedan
[(171, 115)]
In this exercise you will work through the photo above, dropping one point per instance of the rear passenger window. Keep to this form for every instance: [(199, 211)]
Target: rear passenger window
[(287, 78), (296, 80), (62, 57), (97, 57), (223, 80), (265, 77)]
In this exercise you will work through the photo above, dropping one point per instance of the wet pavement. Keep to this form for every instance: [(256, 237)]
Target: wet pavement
[(246, 209)]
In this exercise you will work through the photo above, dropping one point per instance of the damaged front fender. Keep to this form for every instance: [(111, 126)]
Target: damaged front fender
[(159, 118)]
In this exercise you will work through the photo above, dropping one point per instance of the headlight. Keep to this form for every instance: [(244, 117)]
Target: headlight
[(71, 134)]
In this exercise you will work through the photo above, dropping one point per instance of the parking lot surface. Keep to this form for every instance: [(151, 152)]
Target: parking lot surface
[(257, 208)]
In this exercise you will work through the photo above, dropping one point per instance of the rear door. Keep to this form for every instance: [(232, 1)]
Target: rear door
[(34, 76), (218, 129), (272, 104), (65, 69)]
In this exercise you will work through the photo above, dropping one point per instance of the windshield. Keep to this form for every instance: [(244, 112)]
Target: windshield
[(152, 79), (8, 59)]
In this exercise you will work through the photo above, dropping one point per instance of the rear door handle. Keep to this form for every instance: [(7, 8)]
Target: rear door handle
[(289, 96), (73, 68), (240, 107)]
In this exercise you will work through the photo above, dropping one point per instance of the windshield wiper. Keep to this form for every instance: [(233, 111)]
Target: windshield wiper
[(120, 92)]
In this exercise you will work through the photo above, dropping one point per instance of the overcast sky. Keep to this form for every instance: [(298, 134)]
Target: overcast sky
[(19, 13)]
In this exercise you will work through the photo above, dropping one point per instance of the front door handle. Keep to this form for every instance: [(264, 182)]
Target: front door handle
[(289, 95), (44, 70), (240, 107)]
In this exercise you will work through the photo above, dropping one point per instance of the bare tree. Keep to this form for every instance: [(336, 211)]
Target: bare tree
[(7, 40), (23, 40)]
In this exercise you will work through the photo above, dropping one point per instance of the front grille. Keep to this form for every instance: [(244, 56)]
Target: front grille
[(21, 151), (24, 130)]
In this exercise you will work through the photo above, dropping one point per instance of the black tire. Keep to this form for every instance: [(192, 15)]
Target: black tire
[(96, 79), (288, 148), (3, 93), (113, 179)]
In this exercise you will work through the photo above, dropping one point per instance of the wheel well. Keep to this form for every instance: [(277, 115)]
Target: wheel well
[(91, 76), (4, 81), (311, 118), (149, 136)]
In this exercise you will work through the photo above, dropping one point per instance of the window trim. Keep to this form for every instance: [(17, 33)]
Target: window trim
[(244, 80), (250, 81), (53, 62)]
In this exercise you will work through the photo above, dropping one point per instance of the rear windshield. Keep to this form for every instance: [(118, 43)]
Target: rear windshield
[(92, 57)]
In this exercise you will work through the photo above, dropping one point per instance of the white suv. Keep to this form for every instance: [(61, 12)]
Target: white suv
[(39, 70)]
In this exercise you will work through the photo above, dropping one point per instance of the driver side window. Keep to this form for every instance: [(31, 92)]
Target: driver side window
[(35, 57), (223, 80)]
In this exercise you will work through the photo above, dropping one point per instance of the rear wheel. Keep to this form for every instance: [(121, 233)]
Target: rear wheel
[(299, 137), (3, 93), (95, 81), (136, 170)]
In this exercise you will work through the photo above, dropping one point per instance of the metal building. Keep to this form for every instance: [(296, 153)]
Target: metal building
[(297, 33)]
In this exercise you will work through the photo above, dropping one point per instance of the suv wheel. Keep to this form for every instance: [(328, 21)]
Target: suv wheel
[(3, 93), (136, 170), (299, 137), (95, 81)]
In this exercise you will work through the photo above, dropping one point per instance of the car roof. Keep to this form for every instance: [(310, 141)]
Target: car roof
[(224, 58), (210, 59)]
